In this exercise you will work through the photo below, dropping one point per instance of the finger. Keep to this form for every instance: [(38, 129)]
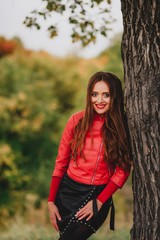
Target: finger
[(54, 223), (52, 219), (84, 215), (56, 226), (81, 212), (58, 215), (89, 217)]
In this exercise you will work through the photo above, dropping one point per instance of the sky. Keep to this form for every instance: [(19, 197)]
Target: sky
[(13, 13)]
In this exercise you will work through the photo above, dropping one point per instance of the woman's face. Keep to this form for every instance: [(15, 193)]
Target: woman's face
[(100, 97)]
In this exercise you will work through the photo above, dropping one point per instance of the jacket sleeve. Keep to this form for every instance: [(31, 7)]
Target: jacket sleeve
[(120, 176), (64, 150)]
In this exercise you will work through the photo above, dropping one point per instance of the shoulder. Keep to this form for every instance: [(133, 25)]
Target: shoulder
[(78, 115), (74, 119)]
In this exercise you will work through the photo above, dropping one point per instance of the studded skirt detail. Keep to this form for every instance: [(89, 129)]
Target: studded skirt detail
[(71, 197)]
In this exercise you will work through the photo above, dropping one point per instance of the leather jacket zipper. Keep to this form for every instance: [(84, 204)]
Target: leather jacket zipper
[(97, 161)]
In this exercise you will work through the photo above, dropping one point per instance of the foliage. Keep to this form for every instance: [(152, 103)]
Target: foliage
[(37, 94), (6, 46), (114, 54), (34, 94), (28, 232), (87, 18)]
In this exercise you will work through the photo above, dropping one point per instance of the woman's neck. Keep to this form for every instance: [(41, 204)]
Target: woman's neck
[(99, 116)]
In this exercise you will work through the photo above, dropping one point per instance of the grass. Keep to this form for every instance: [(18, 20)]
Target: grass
[(19, 230), (33, 224)]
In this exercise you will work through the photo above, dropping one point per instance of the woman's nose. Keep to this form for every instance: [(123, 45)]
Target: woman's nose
[(100, 99)]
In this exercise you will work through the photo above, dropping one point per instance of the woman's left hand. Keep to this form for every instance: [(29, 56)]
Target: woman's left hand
[(87, 210)]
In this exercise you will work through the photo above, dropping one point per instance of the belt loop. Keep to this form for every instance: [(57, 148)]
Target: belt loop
[(112, 216)]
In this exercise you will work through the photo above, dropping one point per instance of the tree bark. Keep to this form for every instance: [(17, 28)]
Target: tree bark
[(141, 58)]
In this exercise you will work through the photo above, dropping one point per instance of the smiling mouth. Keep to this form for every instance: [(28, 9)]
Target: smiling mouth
[(100, 106)]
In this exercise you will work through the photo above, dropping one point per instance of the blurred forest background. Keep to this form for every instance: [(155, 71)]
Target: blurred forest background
[(38, 92)]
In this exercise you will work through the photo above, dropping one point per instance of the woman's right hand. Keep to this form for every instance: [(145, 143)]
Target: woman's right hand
[(54, 214)]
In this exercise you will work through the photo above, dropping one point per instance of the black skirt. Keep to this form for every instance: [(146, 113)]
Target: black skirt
[(71, 197)]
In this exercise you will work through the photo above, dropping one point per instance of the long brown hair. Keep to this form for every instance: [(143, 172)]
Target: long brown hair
[(114, 131)]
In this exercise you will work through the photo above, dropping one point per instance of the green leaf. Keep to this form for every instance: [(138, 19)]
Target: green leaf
[(53, 31)]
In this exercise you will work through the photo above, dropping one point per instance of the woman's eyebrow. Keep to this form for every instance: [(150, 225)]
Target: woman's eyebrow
[(102, 92)]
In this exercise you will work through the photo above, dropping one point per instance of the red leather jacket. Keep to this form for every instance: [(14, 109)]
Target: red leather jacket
[(94, 169)]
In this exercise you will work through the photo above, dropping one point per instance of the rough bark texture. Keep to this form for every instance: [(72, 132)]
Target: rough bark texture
[(141, 57)]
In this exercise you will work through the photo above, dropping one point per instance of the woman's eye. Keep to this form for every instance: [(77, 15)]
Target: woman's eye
[(106, 95), (94, 94)]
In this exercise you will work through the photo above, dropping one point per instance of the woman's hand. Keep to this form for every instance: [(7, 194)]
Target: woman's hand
[(87, 210), (54, 214)]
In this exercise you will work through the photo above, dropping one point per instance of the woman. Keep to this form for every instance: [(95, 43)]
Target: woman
[(93, 161)]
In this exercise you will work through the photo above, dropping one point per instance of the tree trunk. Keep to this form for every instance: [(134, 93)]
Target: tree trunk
[(141, 57)]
